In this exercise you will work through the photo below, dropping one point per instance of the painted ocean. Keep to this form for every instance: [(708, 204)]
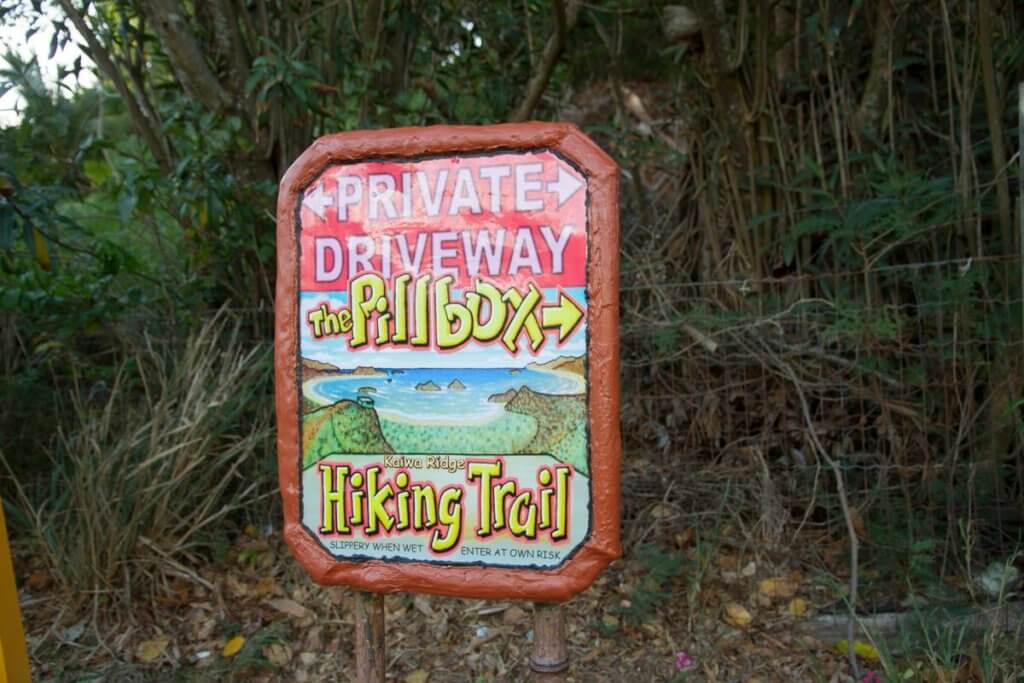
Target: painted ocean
[(456, 395)]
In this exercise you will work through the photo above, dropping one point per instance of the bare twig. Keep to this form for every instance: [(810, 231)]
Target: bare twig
[(844, 501), (565, 22), (147, 129)]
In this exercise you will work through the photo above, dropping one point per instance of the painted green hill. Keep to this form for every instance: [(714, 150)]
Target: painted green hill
[(342, 427), (561, 425)]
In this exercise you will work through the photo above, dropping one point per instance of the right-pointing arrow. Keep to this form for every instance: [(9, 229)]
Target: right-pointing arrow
[(317, 201), (565, 316), (565, 186)]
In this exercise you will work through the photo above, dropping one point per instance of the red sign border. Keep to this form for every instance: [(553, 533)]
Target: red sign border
[(602, 546)]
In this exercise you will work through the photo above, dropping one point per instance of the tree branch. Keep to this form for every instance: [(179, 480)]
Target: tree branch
[(565, 22), (872, 101), (147, 129), (231, 43), (994, 110), (187, 59)]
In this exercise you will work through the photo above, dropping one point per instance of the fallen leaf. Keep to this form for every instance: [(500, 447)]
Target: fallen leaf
[(73, 633), (662, 510), (288, 606), (233, 646), (750, 569), (39, 580), (797, 607), (150, 650), (277, 654), (862, 649), (266, 586), (777, 587), (737, 615), (686, 538), (513, 615), (417, 676), (610, 621)]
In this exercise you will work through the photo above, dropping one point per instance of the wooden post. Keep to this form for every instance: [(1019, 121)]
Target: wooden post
[(369, 637), (13, 654), (550, 657)]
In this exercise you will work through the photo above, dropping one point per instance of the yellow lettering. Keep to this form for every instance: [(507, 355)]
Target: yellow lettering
[(376, 514), (401, 334), (562, 474), (515, 523), (333, 500), (523, 317), (486, 471), (422, 311), (451, 515), (402, 481), (447, 313), (497, 311), (366, 296), (423, 501), (502, 491)]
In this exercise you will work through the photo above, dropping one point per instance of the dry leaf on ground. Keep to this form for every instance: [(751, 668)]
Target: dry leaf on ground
[(288, 606), (513, 615), (150, 650), (863, 650), (737, 615), (233, 646), (278, 654), (778, 587), (417, 676), (797, 607)]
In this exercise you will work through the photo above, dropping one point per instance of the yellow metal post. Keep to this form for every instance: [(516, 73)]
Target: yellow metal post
[(13, 655)]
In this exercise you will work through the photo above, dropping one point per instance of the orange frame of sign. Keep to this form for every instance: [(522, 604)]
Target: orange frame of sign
[(602, 369)]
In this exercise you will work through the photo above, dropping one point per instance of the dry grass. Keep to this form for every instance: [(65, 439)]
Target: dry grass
[(141, 482)]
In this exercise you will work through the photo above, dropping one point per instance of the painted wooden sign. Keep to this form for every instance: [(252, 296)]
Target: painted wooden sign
[(447, 360)]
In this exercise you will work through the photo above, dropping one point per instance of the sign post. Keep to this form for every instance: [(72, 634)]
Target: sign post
[(369, 637), (447, 365)]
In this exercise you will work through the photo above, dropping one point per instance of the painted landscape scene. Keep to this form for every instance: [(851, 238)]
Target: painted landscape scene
[(537, 408)]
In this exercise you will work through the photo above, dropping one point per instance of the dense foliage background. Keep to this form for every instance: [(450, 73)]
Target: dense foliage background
[(821, 292)]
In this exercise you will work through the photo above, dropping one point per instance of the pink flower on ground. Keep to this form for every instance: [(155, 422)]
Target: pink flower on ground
[(872, 677), (683, 661)]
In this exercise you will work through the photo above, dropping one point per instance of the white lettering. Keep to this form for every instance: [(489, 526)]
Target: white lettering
[(557, 245), (406, 194), (360, 250), (350, 191), (412, 264), (439, 252), (379, 198), (527, 181), (524, 253), (464, 195), (323, 245), (432, 204), (494, 174), (483, 248)]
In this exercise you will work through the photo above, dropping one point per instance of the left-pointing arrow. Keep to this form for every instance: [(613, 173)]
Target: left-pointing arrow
[(317, 201), (565, 316)]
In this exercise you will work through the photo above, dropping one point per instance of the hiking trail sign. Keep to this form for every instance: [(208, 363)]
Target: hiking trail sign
[(447, 360)]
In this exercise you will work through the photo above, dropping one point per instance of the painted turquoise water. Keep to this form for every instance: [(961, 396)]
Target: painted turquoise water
[(395, 395)]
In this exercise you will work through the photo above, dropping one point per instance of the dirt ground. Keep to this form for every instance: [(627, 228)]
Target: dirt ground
[(680, 614)]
